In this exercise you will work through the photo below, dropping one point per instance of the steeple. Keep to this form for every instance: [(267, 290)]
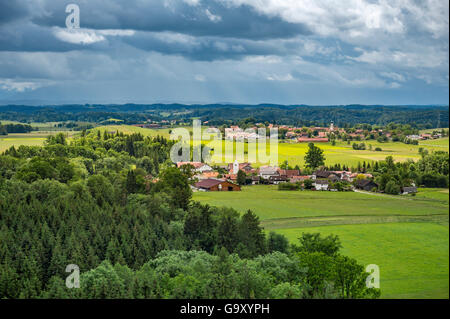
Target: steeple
[(235, 167)]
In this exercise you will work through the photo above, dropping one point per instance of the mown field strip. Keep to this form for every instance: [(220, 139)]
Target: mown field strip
[(299, 222)]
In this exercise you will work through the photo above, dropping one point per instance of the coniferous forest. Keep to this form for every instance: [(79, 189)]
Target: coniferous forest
[(115, 206)]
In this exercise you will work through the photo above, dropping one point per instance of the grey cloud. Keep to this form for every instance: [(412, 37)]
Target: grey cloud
[(12, 10), (176, 16)]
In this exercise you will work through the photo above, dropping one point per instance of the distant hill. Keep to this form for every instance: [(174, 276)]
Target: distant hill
[(423, 116)]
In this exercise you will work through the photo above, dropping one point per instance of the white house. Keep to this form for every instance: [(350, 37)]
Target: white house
[(267, 171), (321, 185), (198, 166)]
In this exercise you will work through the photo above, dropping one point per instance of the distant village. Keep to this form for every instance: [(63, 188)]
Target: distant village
[(315, 134), (232, 176)]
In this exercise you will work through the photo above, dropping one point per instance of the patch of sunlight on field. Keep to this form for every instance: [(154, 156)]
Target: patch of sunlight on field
[(36, 138), (413, 257), (294, 153), (341, 153)]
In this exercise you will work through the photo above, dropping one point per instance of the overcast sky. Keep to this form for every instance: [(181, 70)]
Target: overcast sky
[(241, 51)]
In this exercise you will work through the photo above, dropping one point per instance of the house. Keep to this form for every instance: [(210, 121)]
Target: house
[(206, 175), (217, 185), (366, 184), (231, 177), (289, 173), (299, 179), (277, 179), (255, 180), (344, 175), (322, 185), (409, 190), (334, 177), (321, 174), (198, 166), (353, 176), (267, 171), (413, 137), (235, 167)]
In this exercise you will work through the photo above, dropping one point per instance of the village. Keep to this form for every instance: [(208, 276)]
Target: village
[(206, 178)]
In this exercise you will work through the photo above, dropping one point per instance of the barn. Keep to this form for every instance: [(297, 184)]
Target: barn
[(217, 185)]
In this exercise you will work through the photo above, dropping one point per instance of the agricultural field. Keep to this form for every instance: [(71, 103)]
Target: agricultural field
[(343, 153), (43, 127), (406, 236), (35, 138), (294, 153)]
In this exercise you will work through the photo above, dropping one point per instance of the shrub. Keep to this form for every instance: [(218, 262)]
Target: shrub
[(288, 187), (392, 188)]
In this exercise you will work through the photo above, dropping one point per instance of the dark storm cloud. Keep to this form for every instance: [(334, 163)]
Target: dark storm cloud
[(11, 10), (208, 18), (283, 51), (196, 30)]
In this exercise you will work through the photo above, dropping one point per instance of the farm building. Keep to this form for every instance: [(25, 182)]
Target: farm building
[(366, 184), (217, 185)]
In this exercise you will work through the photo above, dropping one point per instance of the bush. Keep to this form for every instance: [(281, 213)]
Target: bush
[(392, 188), (434, 180), (288, 187)]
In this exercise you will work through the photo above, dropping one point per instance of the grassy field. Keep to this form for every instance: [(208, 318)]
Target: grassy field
[(406, 236), (35, 138), (269, 203), (413, 257)]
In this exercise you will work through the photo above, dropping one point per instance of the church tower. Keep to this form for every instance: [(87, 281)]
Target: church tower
[(235, 167), (332, 126)]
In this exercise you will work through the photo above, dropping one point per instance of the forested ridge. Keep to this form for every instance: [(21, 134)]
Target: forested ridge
[(424, 116), (114, 205)]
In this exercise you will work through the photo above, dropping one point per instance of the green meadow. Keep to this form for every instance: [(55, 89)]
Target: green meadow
[(413, 257), (269, 203), (406, 236), (36, 138)]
